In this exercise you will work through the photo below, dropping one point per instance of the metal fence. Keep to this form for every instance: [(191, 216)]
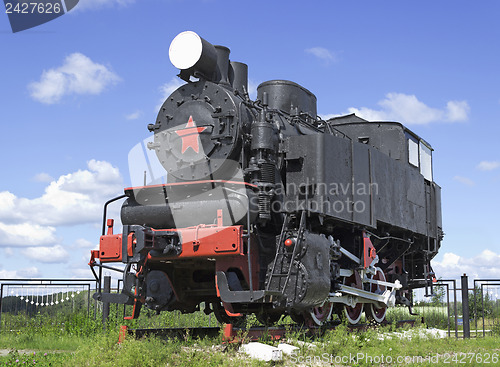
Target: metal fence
[(474, 312), (437, 307), (33, 302), (457, 308), (485, 309)]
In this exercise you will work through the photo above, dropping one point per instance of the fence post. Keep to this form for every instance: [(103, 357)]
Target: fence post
[(1, 296), (105, 305), (465, 306)]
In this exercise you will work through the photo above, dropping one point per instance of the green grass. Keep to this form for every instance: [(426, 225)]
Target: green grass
[(79, 340), (102, 349), (26, 340), (366, 349)]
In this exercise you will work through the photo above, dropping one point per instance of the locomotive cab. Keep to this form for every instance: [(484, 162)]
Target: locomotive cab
[(421, 204)]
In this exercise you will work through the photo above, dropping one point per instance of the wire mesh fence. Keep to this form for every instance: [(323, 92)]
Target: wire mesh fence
[(485, 306), (67, 305), (444, 308), (30, 303)]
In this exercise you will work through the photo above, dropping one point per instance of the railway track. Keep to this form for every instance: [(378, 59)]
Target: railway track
[(236, 334)]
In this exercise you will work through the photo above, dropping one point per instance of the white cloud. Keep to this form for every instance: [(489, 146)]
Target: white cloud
[(321, 53), (167, 89), (485, 265), (134, 115), (82, 273), (99, 4), (7, 206), (43, 177), (328, 116), (409, 110), (457, 111), (252, 89), (488, 165), (8, 274), (78, 75), (86, 244), (49, 255), (464, 180), (74, 198), (26, 234), (31, 272)]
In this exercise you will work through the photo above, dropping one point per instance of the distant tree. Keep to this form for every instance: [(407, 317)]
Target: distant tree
[(496, 309), (437, 298), (479, 306)]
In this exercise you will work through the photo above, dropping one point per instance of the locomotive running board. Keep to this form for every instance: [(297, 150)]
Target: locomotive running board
[(229, 296)]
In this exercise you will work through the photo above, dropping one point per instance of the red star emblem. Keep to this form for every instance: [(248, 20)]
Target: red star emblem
[(190, 136)]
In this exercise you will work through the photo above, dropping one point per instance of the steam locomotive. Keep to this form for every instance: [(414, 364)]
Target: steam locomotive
[(268, 209)]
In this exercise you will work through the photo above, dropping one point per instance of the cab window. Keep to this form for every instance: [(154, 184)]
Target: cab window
[(425, 161), (413, 156)]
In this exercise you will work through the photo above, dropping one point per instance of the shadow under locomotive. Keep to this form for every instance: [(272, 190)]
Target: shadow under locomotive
[(269, 209)]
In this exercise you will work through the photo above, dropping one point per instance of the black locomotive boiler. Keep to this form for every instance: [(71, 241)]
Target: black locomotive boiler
[(268, 209)]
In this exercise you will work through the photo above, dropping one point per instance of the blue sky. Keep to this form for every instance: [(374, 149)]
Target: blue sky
[(77, 93)]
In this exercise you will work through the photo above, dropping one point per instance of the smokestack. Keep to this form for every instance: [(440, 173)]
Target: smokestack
[(222, 65), (238, 76)]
